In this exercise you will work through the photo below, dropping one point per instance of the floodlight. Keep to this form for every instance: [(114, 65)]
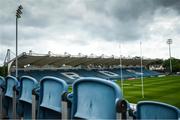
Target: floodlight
[(20, 7), (18, 16), (19, 11), (169, 42)]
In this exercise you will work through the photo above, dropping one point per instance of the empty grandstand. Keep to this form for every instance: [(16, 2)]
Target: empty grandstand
[(70, 67)]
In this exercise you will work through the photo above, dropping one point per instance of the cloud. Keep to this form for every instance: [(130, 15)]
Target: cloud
[(83, 24)]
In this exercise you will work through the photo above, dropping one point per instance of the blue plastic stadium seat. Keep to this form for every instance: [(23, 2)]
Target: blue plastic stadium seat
[(156, 110), (27, 84), (51, 89), (94, 98), (2, 81), (2, 87), (10, 83)]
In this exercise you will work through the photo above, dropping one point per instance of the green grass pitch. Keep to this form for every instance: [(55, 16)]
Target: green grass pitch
[(163, 89)]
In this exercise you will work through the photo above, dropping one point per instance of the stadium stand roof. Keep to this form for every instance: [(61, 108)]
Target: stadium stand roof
[(57, 61)]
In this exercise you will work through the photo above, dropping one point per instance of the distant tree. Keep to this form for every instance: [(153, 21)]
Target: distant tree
[(175, 64), (3, 71), (157, 62)]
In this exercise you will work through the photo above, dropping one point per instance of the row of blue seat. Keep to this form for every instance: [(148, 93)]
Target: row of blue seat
[(18, 98), (91, 98), (133, 72)]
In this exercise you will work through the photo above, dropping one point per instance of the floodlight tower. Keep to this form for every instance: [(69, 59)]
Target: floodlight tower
[(18, 15), (169, 42)]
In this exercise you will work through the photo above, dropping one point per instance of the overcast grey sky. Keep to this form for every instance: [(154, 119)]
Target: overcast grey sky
[(92, 26)]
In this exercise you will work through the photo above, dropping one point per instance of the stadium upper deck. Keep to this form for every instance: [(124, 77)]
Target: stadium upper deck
[(69, 67), (57, 61)]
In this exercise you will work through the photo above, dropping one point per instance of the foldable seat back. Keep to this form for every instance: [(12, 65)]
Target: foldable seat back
[(9, 95), (27, 84), (2, 83), (95, 98), (156, 110), (51, 89)]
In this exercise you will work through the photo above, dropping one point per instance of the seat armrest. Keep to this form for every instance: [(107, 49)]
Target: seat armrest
[(121, 107), (3, 87), (66, 104), (65, 97), (70, 97), (16, 91), (36, 91), (17, 88), (35, 98)]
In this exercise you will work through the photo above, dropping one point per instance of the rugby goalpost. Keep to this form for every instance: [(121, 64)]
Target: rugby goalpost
[(141, 64), (120, 62), (142, 79)]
